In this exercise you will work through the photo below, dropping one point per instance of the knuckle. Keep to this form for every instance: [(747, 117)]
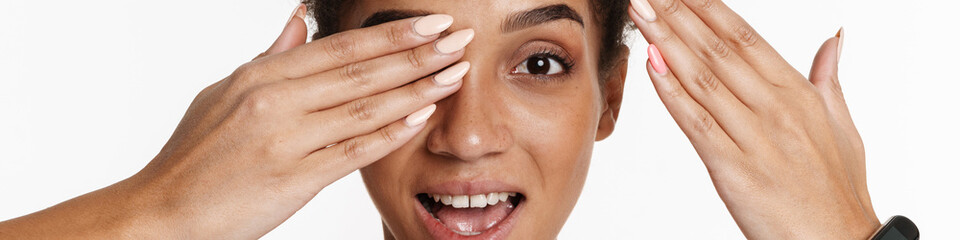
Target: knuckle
[(704, 4), (745, 37), (716, 49), (342, 45), (396, 35), (277, 148), (786, 119), (355, 74), (703, 122), (672, 7), (415, 58), (706, 81), (207, 91), (675, 92), (666, 38), (259, 101), (361, 110), (419, 93), (388, 136), (246, 73), (353, 149)]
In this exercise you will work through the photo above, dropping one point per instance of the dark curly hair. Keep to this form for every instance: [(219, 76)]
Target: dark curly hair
[(611, 14)]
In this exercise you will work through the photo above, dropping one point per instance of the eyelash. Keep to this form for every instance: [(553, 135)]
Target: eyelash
[(565, 62)]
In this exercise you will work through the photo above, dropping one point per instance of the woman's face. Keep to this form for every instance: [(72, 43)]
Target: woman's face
[(522, 125)]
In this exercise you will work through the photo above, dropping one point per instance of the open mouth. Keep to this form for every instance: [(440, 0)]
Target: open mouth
[(471, 215)]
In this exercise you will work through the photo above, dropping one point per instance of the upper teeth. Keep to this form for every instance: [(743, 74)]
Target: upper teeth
[(472, 201)]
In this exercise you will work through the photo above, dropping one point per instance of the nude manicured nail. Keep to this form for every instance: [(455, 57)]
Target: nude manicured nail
[(300, 11), (455, 41), (644, 9), (839, 43), (432, 24), (656, 59), (452, 74), (420, 116)]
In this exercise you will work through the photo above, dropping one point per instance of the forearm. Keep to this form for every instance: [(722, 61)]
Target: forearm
[(116, 211)]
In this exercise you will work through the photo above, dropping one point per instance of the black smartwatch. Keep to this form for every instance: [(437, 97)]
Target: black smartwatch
[(897, 228)]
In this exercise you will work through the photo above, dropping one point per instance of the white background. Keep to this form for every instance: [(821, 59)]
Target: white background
[(90, 91)]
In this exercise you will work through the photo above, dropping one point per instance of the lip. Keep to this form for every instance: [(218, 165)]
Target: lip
[(438, 231)]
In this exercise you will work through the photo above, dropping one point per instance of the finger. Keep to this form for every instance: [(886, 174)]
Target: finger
[(733, 71), (699, 126), (744, 40), (361, 79), (367, 114), (824, 76), (329, 164), (698, 80), (356, 45), (294, 34)]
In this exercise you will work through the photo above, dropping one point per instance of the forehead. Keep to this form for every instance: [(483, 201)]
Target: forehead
[(468, 13)]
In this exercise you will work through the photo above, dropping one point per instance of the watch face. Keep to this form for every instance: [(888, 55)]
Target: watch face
[(893, 234), (898, 228)]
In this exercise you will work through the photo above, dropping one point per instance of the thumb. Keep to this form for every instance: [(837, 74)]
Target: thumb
[(294, 33), (824, 75)]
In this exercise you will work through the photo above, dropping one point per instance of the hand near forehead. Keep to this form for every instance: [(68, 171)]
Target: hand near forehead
[(255, 147), (781, 148)]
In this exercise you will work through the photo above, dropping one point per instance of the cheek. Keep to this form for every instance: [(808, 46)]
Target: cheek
[(378, 177), (558, 132), (559, 128), (560, 137), (385, 180)]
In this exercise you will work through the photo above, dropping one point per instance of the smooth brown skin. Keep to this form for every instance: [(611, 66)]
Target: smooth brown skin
[(785, 156), (535, 134), (782, 150)]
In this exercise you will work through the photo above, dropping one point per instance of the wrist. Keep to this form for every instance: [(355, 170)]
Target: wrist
[(127, 209), (811, 227), (868, 229), (143, 210)]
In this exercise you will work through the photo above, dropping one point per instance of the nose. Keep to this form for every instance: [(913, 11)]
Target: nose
[(471, 124)]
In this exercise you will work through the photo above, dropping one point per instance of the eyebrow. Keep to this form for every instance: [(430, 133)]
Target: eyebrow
[(539, 16), (514, 22)]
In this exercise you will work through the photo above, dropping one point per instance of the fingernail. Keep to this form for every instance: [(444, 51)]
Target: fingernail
[(432, 24), (300, 11), (420, 116), (839, 43), (644, 9), (656, 59), (452, 74), (455, 41)]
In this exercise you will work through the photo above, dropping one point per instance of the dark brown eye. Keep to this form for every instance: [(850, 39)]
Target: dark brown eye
[(539, 65)]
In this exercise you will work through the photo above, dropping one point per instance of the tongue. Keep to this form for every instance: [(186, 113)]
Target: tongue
[(473, 220)]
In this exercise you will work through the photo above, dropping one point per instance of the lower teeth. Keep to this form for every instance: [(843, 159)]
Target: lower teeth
[(466, 233)]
